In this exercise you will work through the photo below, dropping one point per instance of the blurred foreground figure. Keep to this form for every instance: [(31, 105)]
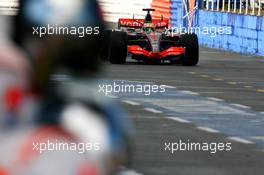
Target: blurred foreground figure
[(15, 73), (75, 131)]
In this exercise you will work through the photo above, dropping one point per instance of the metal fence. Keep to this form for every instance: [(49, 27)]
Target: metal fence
[(248, 7)]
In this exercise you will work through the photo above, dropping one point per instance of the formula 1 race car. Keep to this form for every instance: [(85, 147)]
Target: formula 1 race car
[(150, 40)]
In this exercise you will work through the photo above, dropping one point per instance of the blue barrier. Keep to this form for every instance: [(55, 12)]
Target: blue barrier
[(247, 32), (177, 13)]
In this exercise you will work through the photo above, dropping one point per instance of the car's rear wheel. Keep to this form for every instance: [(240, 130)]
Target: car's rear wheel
[(191, 56), (118, 47)]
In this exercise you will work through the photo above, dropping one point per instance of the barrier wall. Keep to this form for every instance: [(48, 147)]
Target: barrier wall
[(177, 13), (247, 32)]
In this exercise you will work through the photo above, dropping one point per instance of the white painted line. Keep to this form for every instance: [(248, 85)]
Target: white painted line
[(153, 110), (211, 92), (211, 130), (241, 106), (129, 171), (238, 139), (177, 119), (214, 52), (170, 87), (215, 99), (255, 121), (260, 138), (262, 113), (192, 73), (112, 96), (204, 76), (260, 90), (232, 83), (190, 92), (131, 102), (218, 79)]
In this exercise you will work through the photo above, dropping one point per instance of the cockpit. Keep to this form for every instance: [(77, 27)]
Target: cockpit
[(148, 27)]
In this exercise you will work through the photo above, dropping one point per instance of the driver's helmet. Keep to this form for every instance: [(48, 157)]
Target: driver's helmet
[(149, 27)]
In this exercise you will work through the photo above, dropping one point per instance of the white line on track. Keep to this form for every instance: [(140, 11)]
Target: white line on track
[(177, 119), (232, 83), (218, 79), (215, 99), (211, 130), (153, 110), (241, 140), (170, 87), (248, 86), (213, 52), (209, 88), (112, 96), (260, 138), (190, 92), (262, 113), (131, 102), (204, 76), (241, 106), (129, 171), (260, 90), (211, 92)]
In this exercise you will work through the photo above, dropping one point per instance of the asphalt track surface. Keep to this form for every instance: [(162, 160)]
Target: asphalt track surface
[(219, 101)]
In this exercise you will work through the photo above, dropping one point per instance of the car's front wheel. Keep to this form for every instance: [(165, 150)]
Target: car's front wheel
[(190, 42)]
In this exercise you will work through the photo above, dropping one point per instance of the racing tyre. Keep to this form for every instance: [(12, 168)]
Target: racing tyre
[(118, 48), (105, 47), (191, 56)]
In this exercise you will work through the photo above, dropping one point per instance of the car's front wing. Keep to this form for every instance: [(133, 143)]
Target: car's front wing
[(172, 51)]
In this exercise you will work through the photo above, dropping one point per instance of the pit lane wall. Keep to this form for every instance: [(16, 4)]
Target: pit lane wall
[(177, 13), (247, 32)]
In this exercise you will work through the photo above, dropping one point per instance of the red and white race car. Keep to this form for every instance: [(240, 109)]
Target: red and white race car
[(150, 40)]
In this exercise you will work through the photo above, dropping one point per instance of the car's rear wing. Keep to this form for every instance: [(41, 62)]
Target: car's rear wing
[(138, 23)]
